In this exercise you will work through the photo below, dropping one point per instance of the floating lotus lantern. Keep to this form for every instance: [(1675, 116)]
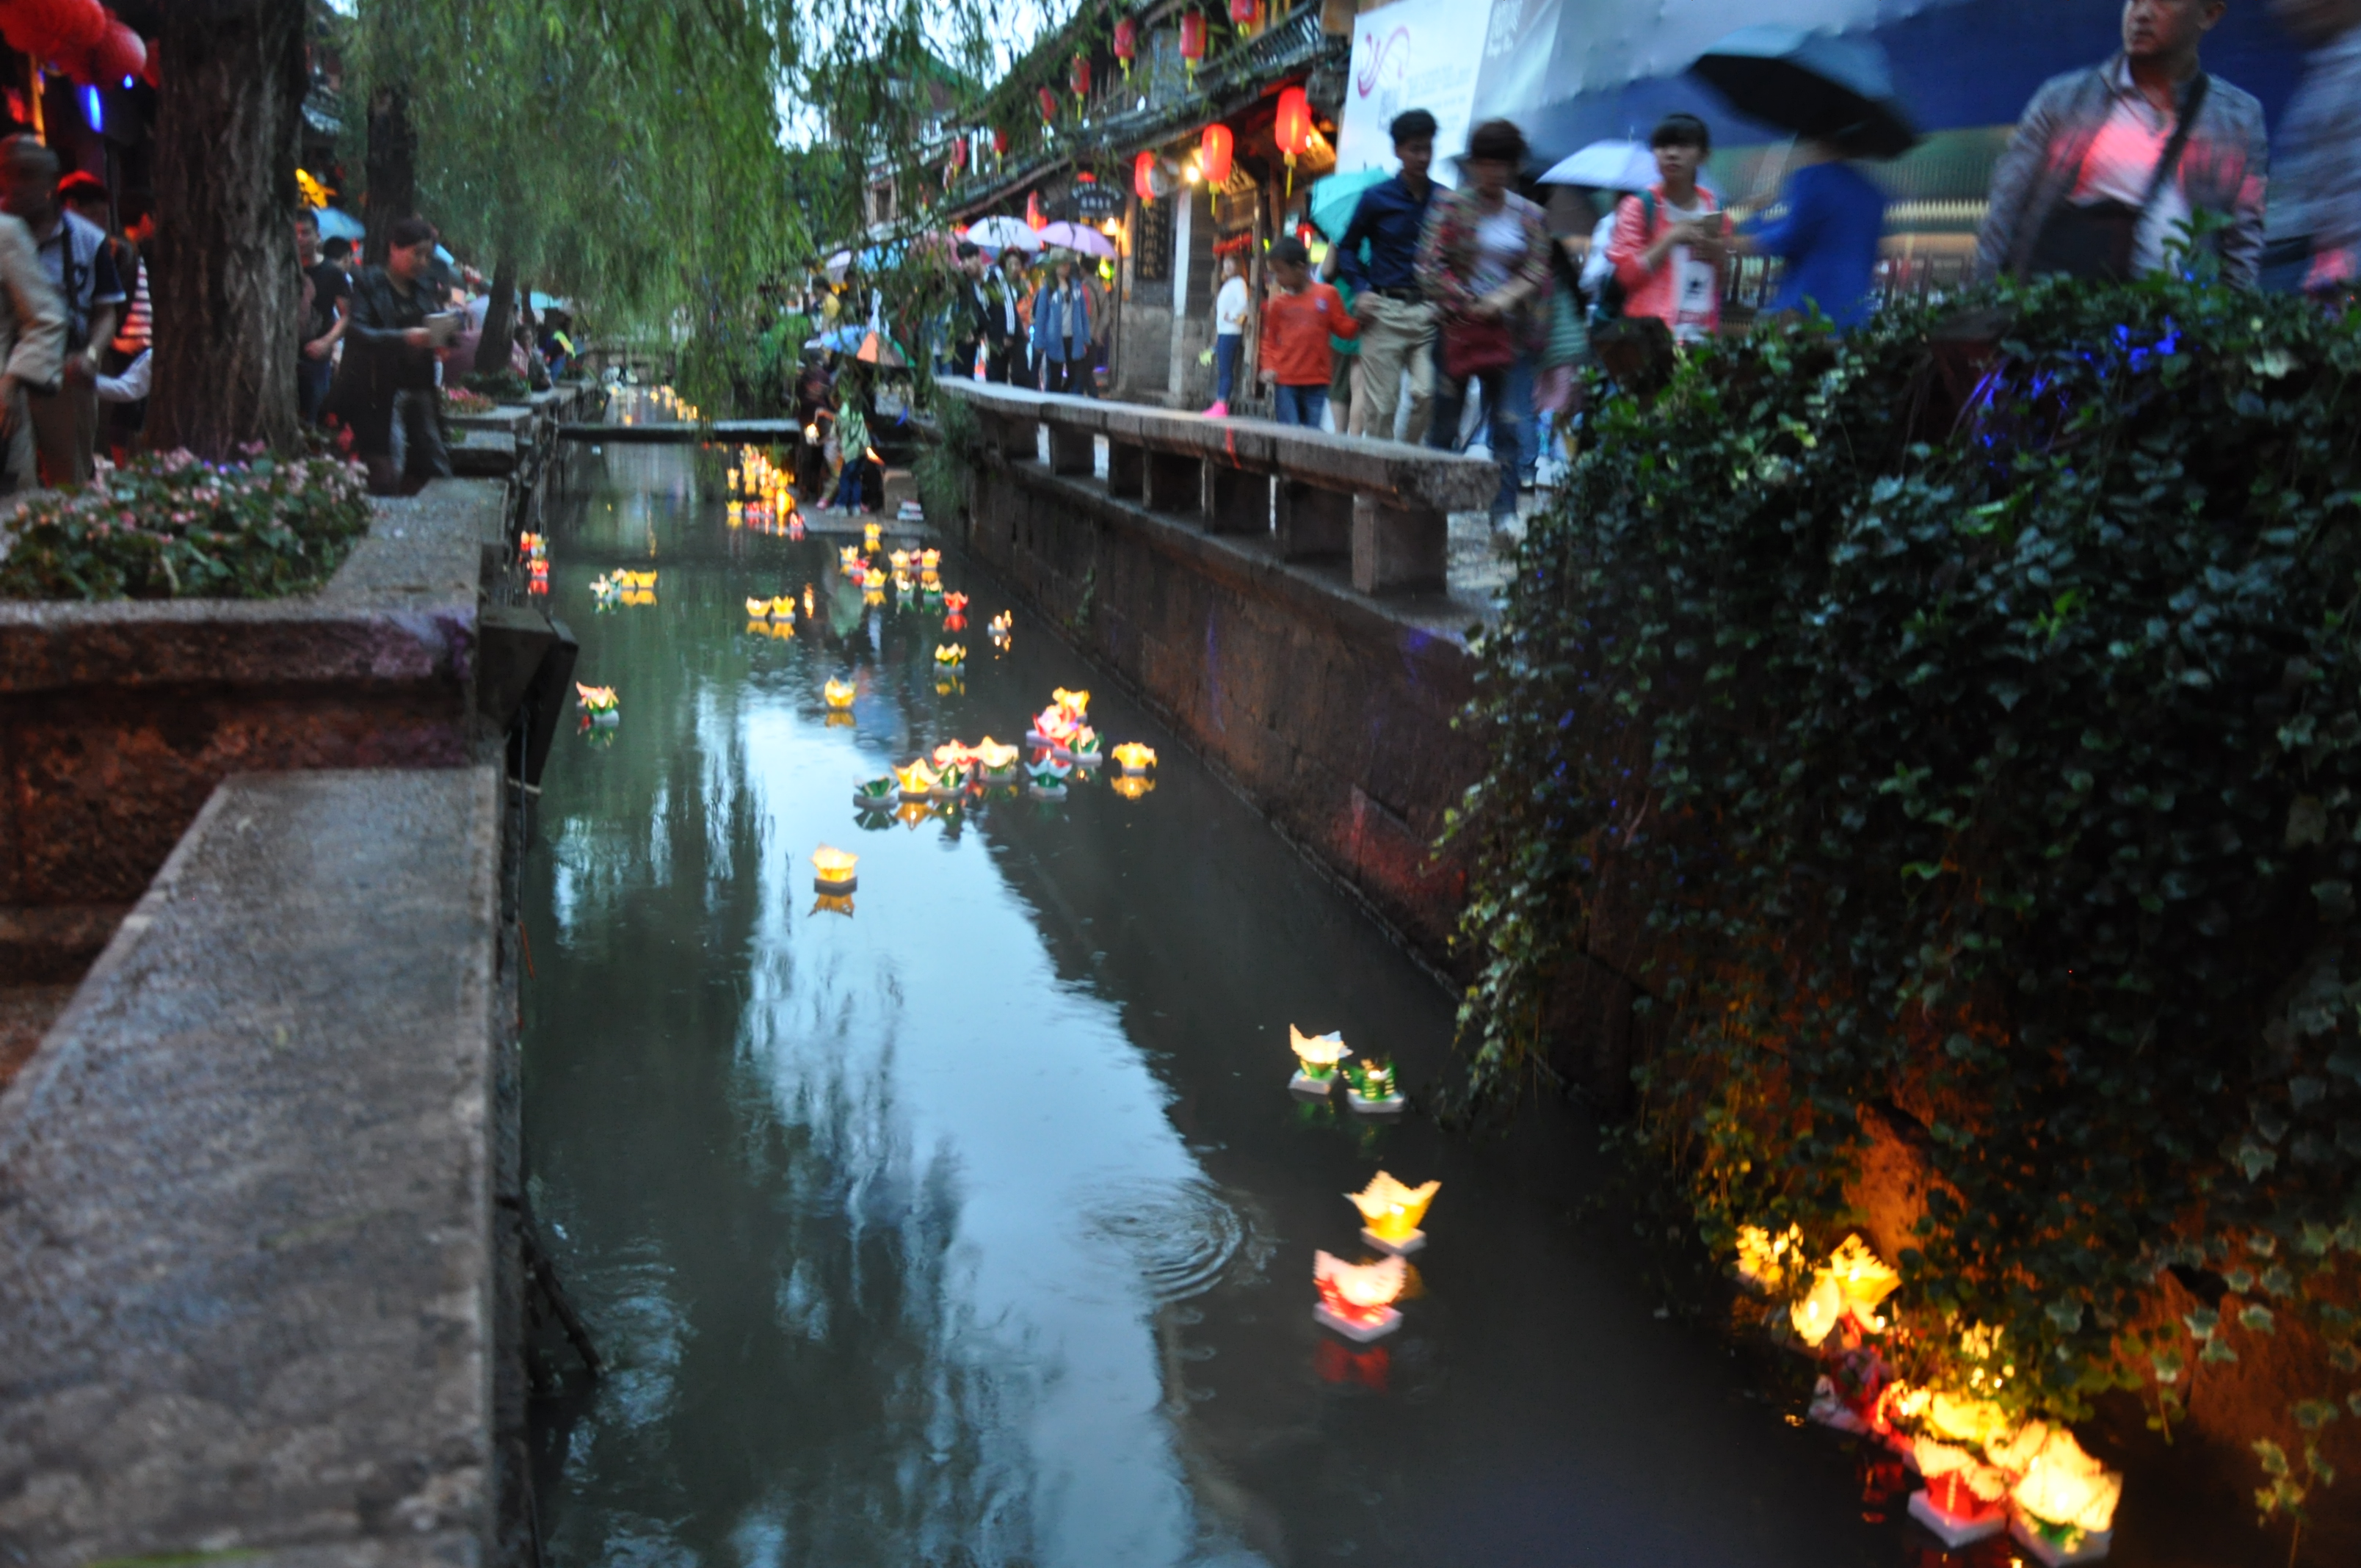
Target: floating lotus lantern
[(1817, 1315), (1318, 1055), (997, 762), (1393, 1212), (950, 655), (1134, 758), (641, 580), (955, 604), (783, 607), (837, 694), (953, 754), (1370, 1088), (599, 703), (872, 535), (1977, 1423), (1865, 1279), (737, 514), (1764, 1259), (918, 781), (1052, 727), (877, 794), (901, 560), (2065, 1503), (1964, 1501), (849, 558), (1084, 749), (832, 869), (757, 610), (951, 783), (876, 592), (1356, 1299), (1003, 628), (1077, 704), (603, 588), (1049, 776)]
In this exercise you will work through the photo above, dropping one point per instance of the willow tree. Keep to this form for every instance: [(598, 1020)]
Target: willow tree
[(226, 293)]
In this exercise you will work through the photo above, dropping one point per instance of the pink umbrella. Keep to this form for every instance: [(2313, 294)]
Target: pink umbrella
[(1079, 239)]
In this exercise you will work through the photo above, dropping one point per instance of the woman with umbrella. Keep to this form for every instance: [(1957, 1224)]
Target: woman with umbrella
[(1837, 95)]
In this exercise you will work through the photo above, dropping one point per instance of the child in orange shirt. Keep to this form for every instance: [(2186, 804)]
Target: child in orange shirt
[(1296, 323)]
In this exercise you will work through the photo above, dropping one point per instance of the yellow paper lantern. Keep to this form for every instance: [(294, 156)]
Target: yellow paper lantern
[(1134, 758), (1317, 1055), (832, 869), (1076, 704), (951, 653), (2063, 1485), (757, 610), (994, 756), (1817, 1315), (919, 781), (838, 694), (1764, 1259), (1864, 1278), (871, 536), (1393, 1212), (901, 560)]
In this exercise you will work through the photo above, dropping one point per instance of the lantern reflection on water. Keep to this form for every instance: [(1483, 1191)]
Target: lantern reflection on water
[(1318, 1055), (1131, 786), (872, 536), (832, 869), (1393, 1212), (1357, 1299)]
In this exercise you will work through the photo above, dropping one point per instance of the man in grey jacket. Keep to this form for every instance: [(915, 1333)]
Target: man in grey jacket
[(32, 348), (2097, 139)]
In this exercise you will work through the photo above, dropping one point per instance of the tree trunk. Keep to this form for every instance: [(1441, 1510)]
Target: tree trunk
[(499, 318), (228, 295), (391, 169)]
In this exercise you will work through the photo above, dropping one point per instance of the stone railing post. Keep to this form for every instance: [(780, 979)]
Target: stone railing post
[(1399, 549)]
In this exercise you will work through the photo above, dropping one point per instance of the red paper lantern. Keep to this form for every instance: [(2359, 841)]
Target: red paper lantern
[(1143, 176), (1049, 101), (1192, 38), (54, 29), (999, 142), (1243, 13), (1078, 76), (119, 54), (1292, 130), (1126, 44), (154, 74), (1214, 149), (959, 153)]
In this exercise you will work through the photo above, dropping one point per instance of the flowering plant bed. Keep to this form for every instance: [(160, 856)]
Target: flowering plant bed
[(168, 526), (460, 400)]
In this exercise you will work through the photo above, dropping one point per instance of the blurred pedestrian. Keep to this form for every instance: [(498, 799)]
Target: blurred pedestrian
[(81, 266), (1062, 331), (385, 386), (1297, 320), (1828, 238), (32, 346), (1667, 249), (323, 322), (2314, 242), (969, 311), (1485, 263), (2107, 163), (1004, 346), (1398, 320), (1230, 308)]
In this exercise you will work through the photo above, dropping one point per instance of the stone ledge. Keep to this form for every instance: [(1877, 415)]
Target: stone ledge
[(246, 1195)]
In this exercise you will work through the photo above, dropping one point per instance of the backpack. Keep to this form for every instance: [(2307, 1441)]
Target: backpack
[(1612, 297)]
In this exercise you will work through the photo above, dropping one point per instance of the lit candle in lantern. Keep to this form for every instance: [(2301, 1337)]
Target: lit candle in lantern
[(757, 610), (1393, 1212), (1131, 786), (998, 761), (1317, 1055), (1370, 1088), (1356, 1299), (837, 694), (919, 781), (1074, 703), (832, 869), (1816, 1316), (1865, 1279), (1963, 1501)]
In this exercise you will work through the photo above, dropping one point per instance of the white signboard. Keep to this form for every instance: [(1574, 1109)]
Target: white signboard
[(1413, 54)]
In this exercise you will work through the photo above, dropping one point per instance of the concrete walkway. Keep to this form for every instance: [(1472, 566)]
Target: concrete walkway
[(246, 1195)]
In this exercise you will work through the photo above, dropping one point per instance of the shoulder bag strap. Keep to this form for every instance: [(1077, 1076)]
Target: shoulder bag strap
[(2166, 165)]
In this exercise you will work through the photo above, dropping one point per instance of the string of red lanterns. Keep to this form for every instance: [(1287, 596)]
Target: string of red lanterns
[(80, 38)]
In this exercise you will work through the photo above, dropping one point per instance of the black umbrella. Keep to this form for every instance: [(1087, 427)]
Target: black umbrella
[(1814, 85)]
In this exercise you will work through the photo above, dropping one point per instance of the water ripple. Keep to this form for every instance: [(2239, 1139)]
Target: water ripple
[(1180, 1236)]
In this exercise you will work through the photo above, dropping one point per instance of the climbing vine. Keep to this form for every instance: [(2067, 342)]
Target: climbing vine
[(1967, 750)]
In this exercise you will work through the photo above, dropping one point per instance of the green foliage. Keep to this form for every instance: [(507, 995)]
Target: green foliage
[(1994, 778), (943, 465), (171, 527)]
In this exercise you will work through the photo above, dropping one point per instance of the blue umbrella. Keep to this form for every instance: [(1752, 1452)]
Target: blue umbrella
[(1334, 199), (1812, 84), (338, 224)]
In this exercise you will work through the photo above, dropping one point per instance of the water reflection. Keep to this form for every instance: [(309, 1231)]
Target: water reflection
[(970, 1220)]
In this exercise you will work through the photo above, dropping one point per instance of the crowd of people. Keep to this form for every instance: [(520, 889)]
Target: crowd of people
[(1029, 321), (1434, 299)]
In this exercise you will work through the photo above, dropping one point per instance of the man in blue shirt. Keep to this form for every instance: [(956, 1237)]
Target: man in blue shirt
[(1397, 324)]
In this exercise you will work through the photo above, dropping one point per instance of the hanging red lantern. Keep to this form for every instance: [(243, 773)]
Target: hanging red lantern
[(1034, 217), (1078, 77), (999, 142), (959, 153), (119, 54), (1292, 129), (1192, 41), (1143, 176), (1243, 14), (1126, 44), (1213, 150), (1049, 101), (54, 29)]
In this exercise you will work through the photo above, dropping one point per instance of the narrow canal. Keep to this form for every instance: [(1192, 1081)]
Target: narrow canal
[(974, 1223)]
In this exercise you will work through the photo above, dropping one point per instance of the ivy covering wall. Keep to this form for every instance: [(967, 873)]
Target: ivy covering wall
[(1980, 757)]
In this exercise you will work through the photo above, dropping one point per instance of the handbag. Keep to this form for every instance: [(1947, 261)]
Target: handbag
[(1471, 346), (2097, 240)]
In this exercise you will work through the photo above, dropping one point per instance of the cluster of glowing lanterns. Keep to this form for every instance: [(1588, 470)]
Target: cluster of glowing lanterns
[(768, 503), (1063, 732), (772, 617), (534, 549), (1984, 1471), (624, 587), (1357, 1300), (1324, 1060), (670, 403)]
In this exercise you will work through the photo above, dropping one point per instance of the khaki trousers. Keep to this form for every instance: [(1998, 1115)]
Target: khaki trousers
[(1396, 335)]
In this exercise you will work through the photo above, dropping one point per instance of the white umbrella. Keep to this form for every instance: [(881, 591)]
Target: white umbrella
[(1606, 166), (1003, 233), (1078, 237)]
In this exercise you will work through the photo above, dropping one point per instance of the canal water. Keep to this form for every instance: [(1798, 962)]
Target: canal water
[(974, 1223)]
